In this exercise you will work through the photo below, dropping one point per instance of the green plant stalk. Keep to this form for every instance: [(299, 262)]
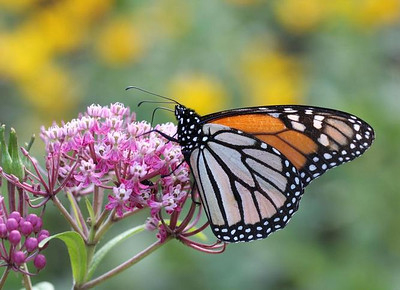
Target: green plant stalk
[(26, 279), (80, 221), (135, 259), (67, 216), (4, 277)]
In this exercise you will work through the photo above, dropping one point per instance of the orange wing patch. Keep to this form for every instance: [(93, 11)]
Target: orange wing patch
[(252, 123), (294, 145)]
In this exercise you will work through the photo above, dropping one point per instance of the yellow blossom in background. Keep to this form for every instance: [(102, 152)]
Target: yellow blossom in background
[(30, 49), (244, 2), (21, 53), (17, 5), (50, 91), (87, 11), (166, 18), (120, 43), (367, 14), (300, 16), (200, 92), (271, 77)]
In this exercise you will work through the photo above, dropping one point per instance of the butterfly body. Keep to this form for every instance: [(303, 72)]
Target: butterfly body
[(251, 164)]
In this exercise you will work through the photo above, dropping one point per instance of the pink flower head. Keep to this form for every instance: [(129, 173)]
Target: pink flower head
[(87, 174), (131, 161)]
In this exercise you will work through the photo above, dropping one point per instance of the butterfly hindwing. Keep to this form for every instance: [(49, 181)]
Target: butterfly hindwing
[(313, 139), (248, 188)]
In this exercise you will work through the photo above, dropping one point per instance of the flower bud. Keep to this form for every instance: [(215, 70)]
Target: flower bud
[(15, 215), (38, 226), (32, 218), (39, 261), (31, 244), (26, 228), (19, 257), (3, 231), (14, 237), (41, 236), (12, 224), (44, 233)]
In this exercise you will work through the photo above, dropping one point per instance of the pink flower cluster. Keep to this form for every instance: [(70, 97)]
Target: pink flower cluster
[(24, 235), (107, 149)]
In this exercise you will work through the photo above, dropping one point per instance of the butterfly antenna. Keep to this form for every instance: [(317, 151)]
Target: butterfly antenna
[(151, 93), (154, 102), (155, 110)]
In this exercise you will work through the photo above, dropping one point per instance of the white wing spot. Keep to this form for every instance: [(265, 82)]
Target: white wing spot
[(293, 117), (323, 139), (298, 126), (317, 124)]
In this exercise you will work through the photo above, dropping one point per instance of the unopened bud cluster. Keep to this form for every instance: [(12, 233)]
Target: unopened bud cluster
[(20, 240)]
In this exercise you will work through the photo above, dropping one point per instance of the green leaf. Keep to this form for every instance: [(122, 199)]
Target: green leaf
[(111, 244), (77, 253), (6, 161), (90, 211), (74, 209), (17, 166)]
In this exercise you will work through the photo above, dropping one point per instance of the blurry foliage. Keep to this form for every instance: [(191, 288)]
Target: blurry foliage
[(57, 56)]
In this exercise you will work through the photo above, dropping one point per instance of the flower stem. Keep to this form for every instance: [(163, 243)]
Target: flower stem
[(123, 266), (11, 196), (67, 216), (26, 279), (104, 227), (4, 277)]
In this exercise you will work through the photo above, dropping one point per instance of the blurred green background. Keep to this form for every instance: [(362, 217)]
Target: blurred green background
[(57, 56)]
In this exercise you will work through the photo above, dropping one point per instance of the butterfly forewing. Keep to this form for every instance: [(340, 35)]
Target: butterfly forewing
[(248, 188), (313, 139)]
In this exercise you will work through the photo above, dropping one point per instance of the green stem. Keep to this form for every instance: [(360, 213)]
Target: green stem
[(67, 216), (26, 279), (138, 257), (104, 227), (4, 277), (11, 196), (80, 220)]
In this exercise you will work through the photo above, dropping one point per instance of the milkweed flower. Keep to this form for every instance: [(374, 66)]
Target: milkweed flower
[(130, 160), (124, 165)]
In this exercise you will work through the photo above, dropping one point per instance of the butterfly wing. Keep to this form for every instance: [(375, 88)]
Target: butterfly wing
[(313, 139), (248, 188)]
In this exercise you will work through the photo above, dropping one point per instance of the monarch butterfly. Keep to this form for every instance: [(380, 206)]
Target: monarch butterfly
[(251, 165)]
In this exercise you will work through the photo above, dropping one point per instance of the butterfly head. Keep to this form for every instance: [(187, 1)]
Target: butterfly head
[(189, 129)]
